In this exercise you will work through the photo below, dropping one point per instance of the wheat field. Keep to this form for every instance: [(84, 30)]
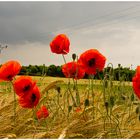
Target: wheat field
[(118, 119)]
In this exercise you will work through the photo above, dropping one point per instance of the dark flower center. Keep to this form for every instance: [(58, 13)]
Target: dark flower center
[(26, 88), (91, 62), (9, 77), (33, 98), (72, 73)]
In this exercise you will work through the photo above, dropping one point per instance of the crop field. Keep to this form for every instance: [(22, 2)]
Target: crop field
[(109, 110)]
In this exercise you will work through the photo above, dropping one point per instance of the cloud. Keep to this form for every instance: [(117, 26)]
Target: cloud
[(118, 44), (22, 21), (37, 21), (28, 28)]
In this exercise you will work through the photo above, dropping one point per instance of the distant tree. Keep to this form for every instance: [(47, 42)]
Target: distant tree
[(59, 72), (52, 70), (33, 70), (23, 70)]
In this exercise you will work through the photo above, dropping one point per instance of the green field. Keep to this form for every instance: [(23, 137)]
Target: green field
[(108, 110)]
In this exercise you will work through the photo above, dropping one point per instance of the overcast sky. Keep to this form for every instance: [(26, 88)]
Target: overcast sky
[(111, 27)]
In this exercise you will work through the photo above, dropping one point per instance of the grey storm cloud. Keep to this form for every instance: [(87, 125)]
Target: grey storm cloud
[(111, 27), (37, 21)]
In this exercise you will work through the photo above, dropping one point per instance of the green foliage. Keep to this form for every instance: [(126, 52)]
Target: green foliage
[(52, 70)]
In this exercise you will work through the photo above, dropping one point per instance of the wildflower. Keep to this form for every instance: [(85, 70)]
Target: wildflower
[(73, 70), (60, 44), (30, 100), (9, 70), (42, 113), (78, 109), (23, 85), (92, 60), (136, 82), (138, 70)]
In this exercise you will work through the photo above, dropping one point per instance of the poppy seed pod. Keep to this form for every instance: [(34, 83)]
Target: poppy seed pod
[(73, 56)]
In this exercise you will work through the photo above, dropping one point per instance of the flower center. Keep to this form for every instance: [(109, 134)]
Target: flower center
[(33, 98), (91, 62), (72, 74), (26, 88), (9, 77)]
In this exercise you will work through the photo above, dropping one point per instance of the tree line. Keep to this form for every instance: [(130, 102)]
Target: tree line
[(119, 73)]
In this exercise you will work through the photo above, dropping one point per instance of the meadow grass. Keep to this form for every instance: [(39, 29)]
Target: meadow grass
[(114, 112)]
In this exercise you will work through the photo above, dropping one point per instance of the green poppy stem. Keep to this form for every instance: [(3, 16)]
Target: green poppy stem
[(14, 108), (64, 59), (92, 93), (77, 92), (34, 123), (68, 86)]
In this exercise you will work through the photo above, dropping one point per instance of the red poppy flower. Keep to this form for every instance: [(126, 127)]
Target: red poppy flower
[(9, 70), (92, 60), (23, 85), (78, 109), (136, 82), (73, 70), (42, 113), (30, 100), (60, 44), (138, 70)]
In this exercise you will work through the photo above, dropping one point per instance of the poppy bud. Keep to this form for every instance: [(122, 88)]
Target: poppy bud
[(70, 108), (73, 56), (106, 104), (87, 102)]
